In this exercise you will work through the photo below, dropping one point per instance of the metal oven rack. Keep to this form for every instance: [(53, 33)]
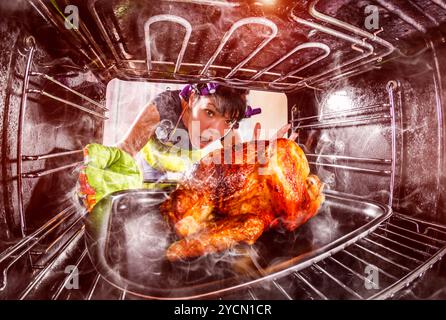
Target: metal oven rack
[(400, 251), (29, 251), (354, 36), (353, 117), (370, 47)]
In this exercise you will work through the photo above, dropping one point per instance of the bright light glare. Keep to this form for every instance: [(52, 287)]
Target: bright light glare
[(267, 2), (339, 101)]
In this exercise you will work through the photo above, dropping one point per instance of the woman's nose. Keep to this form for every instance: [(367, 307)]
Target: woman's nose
[(218, 125)]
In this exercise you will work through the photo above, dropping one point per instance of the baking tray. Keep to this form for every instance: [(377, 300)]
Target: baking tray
[(126, 237)]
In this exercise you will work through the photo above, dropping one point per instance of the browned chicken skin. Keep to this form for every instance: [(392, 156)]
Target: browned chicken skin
[(261, 185)]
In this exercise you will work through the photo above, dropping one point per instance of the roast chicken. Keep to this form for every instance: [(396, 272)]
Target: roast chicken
[(233, 195)]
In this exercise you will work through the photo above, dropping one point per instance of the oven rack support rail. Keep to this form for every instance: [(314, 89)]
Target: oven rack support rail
[(354, 117), (400, 251), (371, 49), (29, 241), (355, 36)]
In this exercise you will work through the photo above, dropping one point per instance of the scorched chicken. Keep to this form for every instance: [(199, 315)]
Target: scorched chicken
[(233, 195)]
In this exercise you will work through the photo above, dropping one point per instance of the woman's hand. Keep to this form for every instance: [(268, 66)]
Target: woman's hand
[(256, 132), (106, 170), (279, 134)]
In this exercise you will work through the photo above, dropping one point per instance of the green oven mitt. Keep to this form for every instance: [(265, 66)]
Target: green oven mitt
[(106, 170)]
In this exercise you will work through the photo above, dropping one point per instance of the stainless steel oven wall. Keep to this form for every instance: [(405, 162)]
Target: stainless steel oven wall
[(44, 126), (380, 134), (367, 154)]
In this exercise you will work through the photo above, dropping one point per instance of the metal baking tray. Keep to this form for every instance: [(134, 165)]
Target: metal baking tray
[(126, 237)]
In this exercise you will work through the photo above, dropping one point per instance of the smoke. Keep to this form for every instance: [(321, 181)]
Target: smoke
[(440, 294), (147, 237), (147, 240), (8, 7), (324, 228)]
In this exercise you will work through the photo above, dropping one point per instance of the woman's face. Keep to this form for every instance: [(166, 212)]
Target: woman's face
[(206, 123)]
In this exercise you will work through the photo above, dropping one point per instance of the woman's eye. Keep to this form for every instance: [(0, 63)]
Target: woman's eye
[(228, 121), (209, 113)]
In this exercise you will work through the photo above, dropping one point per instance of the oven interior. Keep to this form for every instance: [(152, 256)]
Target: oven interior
[(364, 82)]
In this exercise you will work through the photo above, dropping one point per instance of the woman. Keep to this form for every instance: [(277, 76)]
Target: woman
[(184, 121), (172, 130), (167, 137)]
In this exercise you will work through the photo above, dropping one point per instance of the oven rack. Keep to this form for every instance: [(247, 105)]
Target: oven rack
[(31, 48), (355, 37), (370, 114), (400, 251), (371, 49), (39, 248)]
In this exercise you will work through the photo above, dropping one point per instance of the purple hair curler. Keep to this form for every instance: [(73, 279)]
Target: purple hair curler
[(185, 92), (210, 88), (249, 112), (202, 89)]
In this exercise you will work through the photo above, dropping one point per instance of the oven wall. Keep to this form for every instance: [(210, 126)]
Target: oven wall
[(49, 126), (419, 180)]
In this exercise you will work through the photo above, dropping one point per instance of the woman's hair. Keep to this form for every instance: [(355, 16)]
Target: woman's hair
[(231, 102)]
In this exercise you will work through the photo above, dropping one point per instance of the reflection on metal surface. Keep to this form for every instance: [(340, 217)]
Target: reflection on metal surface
[(227, 36), (116, 265), (391, 86), (31, 47), (307, 45), (171, 18)]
